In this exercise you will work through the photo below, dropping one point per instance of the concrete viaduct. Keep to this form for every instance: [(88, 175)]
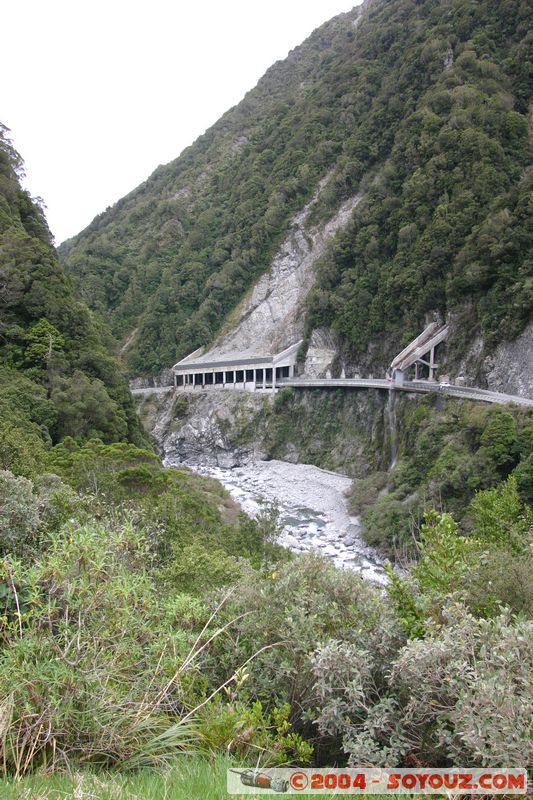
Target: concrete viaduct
[(416, 387), (256, 373)]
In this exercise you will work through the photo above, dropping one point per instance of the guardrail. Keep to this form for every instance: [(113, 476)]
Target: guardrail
[(418, 387)]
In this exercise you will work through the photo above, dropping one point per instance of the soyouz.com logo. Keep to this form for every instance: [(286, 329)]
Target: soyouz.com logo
[(376, 781)]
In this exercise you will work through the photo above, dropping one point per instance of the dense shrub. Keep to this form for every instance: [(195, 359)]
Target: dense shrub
[(447, 455), (292, 643), (489, 569), (524, 478), (22, 444), (501, 519), (246, 730), (293, 609), (474, 678), (392, 525), (459, 696), (500, 579), (58, 503), (98, 653), (111, 670), (19, 515), (365, 492), (198, 537)]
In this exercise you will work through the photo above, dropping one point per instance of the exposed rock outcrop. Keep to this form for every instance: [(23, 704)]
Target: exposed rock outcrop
[(510, 368), (217, 428), (271, 318), (321, 353), (343, 432), (164, 378)]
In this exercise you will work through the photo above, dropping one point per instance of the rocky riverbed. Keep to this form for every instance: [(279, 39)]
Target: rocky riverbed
[(312, 506)]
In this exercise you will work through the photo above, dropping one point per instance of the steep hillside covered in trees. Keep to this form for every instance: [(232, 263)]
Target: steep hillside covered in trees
[(57, 375), (423, 104)]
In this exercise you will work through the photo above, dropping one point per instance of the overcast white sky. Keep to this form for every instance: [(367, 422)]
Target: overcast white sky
[(97, 94)]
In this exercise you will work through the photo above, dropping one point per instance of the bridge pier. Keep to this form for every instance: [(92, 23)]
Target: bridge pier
[(432, 367)]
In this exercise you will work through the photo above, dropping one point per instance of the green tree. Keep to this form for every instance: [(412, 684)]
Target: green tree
[(524, 478), (22, 445), (85, 409), (500, 440), (502, 519), (42, 340)]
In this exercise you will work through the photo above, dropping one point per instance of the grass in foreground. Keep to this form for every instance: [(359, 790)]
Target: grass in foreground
[(192, 778)]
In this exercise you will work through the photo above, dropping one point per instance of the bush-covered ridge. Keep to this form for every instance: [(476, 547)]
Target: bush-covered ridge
[(434, 94), (58, 376)]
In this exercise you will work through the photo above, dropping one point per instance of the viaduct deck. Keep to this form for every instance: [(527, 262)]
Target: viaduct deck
[(417, 387)]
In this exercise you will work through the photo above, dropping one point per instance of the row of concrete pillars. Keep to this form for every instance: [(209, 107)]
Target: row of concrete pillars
[(231, 378)]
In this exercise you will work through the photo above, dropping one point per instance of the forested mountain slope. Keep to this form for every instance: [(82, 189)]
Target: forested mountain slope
[(423, 104), (57, 376)]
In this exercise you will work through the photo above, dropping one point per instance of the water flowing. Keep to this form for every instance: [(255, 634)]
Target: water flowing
[(312, 506), (393, 431)]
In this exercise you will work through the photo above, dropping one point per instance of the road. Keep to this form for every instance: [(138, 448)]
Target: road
[(418, 387), (152, 390)]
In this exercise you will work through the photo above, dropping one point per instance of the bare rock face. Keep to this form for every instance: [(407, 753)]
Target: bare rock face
[(321, 353), (510, 368), (217, 428), (141, 383), (507, 369), (165, 378), (272, 317)]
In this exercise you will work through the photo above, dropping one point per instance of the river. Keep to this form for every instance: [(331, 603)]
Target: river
[(312, 506)]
